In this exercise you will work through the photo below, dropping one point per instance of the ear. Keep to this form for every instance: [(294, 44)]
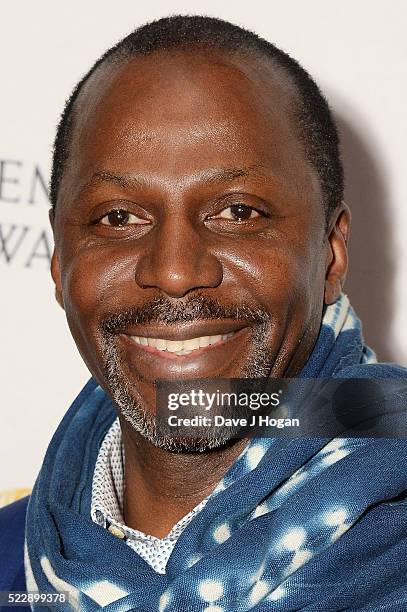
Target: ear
[(337, 253), (55, 267)]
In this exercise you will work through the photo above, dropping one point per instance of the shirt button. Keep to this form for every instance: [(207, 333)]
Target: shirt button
[(116, 532)]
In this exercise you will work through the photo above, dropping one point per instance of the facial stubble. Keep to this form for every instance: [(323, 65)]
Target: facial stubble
[(130, 403)]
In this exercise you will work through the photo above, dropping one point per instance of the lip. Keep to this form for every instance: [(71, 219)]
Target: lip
[(206, 362), (185, 331), (168, 355)]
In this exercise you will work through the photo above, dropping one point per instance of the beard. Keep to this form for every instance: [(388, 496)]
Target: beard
[(131, 405)]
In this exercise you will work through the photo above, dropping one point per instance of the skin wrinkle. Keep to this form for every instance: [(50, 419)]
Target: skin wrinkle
[(251, 72), (189, 264), (130, 182)]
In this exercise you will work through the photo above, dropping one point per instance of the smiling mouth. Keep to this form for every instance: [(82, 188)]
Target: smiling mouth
[(180, 348)]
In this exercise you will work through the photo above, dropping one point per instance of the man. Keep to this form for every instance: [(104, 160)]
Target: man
[(200, 233)]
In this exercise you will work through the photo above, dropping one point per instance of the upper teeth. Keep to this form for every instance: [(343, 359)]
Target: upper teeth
[(180, 347)]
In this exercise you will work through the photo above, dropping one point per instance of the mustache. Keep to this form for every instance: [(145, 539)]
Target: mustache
[(163, 310)]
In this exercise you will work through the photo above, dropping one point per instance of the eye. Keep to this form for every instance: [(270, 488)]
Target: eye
[(238, 212), (120, 218)]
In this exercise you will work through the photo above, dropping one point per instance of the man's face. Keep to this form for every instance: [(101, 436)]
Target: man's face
[(190, 234)]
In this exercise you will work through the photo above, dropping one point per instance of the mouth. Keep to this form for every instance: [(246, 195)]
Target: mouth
[(193, 349), (180, 348)]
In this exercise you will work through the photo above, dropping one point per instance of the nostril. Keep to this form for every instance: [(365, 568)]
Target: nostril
[(178, 274)]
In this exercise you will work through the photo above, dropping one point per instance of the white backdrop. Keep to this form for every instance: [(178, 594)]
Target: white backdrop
[(357, 53)]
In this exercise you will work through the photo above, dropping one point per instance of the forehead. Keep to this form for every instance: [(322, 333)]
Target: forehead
[(184, 112)]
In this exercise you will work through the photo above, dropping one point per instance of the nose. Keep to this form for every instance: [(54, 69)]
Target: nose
[(178, 260)]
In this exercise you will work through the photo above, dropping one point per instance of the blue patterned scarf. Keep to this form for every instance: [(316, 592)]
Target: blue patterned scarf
[(295, 524)]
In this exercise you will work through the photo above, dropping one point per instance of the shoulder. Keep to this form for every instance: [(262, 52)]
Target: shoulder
[(12, 532)]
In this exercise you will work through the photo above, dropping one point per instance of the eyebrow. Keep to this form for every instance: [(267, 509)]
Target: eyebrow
[(223, 175), (127, 181)]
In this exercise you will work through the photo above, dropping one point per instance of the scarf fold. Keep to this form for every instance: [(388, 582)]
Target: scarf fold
[(295, 524)]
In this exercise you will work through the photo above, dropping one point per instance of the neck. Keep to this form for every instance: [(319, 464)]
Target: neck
[(161, 487)]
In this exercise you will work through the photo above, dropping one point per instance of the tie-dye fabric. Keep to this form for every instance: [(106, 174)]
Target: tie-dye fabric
[(295, 524)]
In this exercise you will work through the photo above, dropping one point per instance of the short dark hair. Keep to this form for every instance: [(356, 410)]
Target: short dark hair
[(316, 127)]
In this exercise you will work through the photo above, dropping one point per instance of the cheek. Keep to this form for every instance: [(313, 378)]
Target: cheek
[(93, 286), (275, 276)]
